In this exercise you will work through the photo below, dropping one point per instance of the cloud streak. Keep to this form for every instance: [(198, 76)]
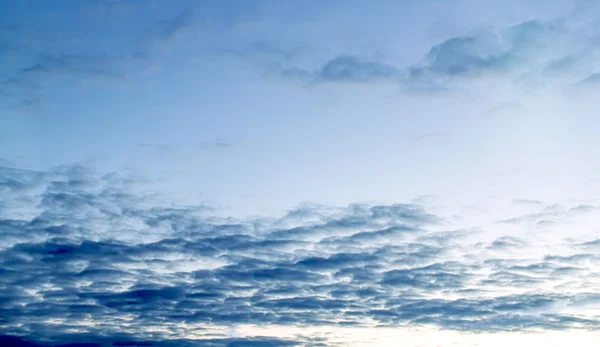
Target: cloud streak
[(346, 69)]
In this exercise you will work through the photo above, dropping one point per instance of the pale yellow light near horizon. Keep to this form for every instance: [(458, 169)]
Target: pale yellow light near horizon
[(424, 337)]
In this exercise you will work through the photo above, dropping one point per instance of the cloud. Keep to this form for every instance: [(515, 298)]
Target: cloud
[(534, 52), (102, 260), (74, 340), (348, 68), (506, 242), (547, 214), (592, 79), (528, 202), (464, 56), (263, 50), (344, 69), (512, 53), (199, 19), (71, 66), (168, 29)]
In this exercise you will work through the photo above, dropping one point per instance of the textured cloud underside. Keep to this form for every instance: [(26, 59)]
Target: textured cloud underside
[(88, 255)]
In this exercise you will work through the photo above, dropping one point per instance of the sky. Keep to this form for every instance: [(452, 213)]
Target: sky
[(299, 173)]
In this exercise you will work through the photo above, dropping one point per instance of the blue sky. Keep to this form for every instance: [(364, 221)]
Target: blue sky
[(237, 173)]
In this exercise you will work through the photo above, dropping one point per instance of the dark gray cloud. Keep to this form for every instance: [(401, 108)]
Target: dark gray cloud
[(82, 252)]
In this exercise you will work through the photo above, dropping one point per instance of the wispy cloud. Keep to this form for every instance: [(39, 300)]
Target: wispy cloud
[(72, 66), (548, 51), (347, 69)]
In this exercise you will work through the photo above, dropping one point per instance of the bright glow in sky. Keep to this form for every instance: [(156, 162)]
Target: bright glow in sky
[(300, 173)]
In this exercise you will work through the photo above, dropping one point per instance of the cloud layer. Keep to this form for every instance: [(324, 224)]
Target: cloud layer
[(84, 255)]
